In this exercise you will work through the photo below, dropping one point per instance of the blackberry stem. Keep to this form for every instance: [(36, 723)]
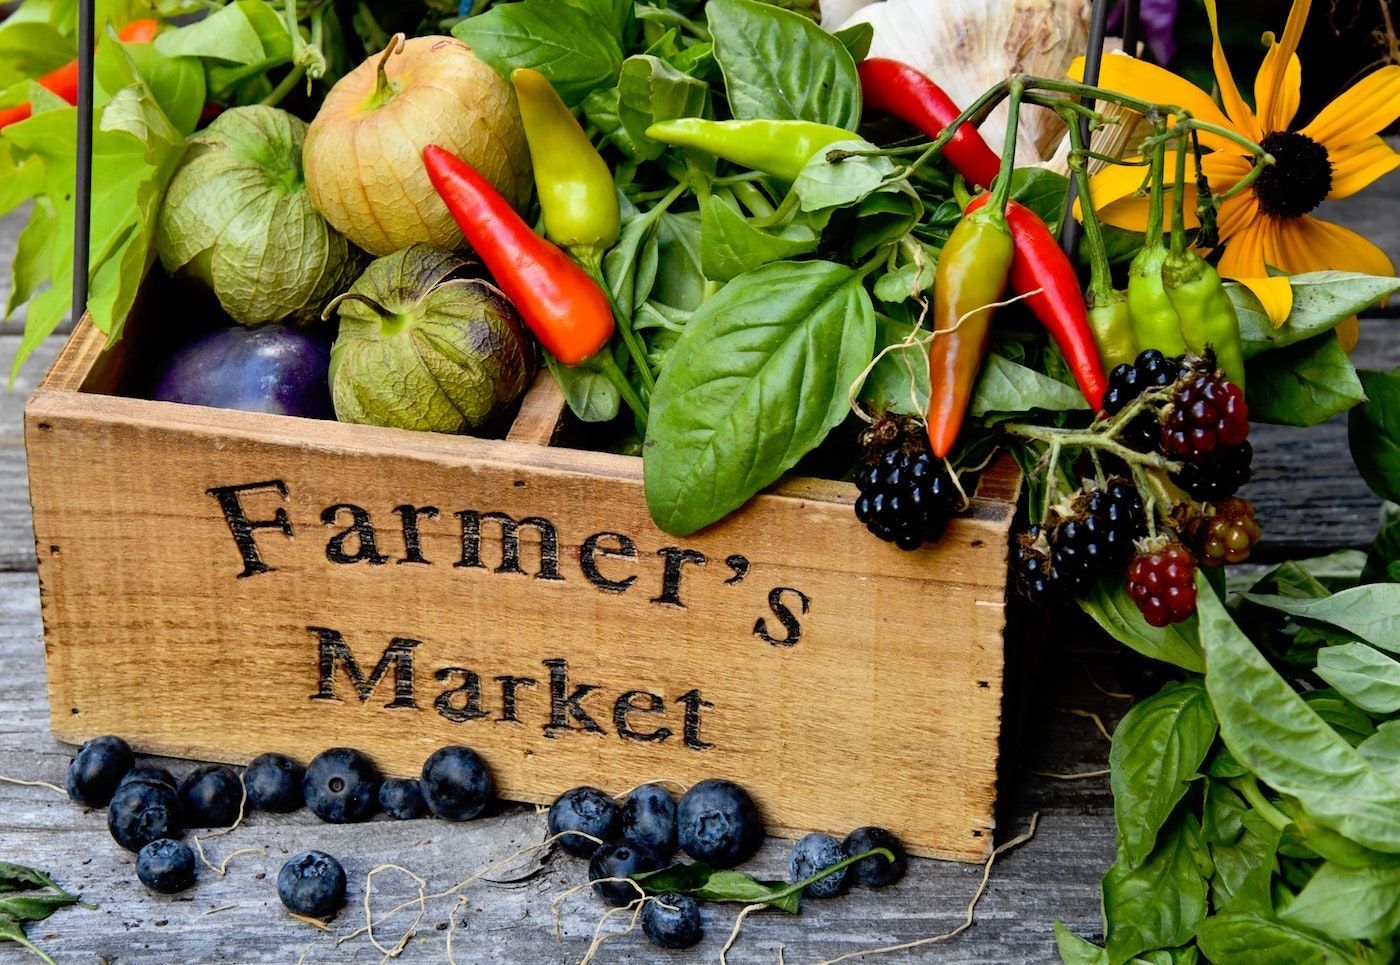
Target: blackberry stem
[(1090, 439)]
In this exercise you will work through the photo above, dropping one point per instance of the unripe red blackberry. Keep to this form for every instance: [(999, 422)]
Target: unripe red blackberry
[(1206, 417), (1229, 534), (1162, 582)]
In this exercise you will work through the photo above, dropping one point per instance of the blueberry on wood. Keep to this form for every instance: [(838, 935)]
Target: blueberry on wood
[(341, 786), (166, 866), (620, 860), (274, 783), (672, 921), (456, 783), (812, 853), (96, 769), (401, 798), (649, 819), (210, 797), (140, 813), (718, 823), (876, 871), (312, 884), (586, 810)]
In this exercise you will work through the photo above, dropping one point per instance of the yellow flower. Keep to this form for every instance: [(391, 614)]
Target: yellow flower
[(1268, 226)]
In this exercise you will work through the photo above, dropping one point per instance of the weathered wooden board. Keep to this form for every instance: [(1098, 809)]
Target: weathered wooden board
[(295, 585)]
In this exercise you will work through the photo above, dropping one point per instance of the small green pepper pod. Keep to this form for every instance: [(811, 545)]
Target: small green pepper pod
[(1208, 319), (780, 148), (1108, 317), (1151, 316)]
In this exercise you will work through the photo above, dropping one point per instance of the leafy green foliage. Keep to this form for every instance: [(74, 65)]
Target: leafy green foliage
[(1322, 300), (1158, 903), (1303, 384), (577, 51), (1374, 430), (1120, 618)]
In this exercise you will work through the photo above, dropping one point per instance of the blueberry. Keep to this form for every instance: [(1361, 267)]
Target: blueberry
[(649, 818), (456, 783), (274, 783), (312, 884), (402, 799), (672, 921), (620, 861), (141, 813), (811, 854), (166, 866), (717, 823), (96, 769), (341, 785), (210, 797), (149, 774), (876, 871), (588, 810)]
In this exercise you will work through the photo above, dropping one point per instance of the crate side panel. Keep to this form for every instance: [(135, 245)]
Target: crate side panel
[(845, 683)]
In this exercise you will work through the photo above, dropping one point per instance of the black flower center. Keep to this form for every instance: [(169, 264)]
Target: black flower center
[(1299, 178)]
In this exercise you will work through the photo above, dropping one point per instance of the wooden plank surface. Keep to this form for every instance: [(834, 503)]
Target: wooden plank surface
[(1309, 498)]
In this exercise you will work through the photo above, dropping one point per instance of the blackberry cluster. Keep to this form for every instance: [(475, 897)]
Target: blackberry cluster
[(1229, 533), (1162, 582), (1206, 428), (1098, 535), (1030, 566), (1151, 370), (906, 496)]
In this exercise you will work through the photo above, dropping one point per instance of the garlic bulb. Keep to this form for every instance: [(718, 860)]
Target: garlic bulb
[(837, 12), (966, 46)]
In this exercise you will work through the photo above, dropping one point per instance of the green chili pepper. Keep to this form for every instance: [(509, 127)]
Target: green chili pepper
[(1108, 317), (1208, 319), (575, 187), (1153, 320), (779, 148)]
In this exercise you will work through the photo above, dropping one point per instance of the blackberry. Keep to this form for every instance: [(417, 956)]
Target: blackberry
[(1218, 478), (1229, 533), (1030, 565), (906, 496), (1098, 536), (1162, 582), (1207, 416), (1151, 370)]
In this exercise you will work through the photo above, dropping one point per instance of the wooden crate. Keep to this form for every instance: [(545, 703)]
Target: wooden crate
[(217, 584)]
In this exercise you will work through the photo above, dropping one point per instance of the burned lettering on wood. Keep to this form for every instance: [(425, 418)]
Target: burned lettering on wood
[(242, 527)]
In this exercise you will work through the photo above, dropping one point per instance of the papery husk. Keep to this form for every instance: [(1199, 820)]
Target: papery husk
[(966, 46)]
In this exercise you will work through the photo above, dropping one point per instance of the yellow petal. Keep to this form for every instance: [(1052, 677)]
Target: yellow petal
[(1148, 82), (1236, 215), (1357, 166), (1311, 244), (1275, 294), (1277, 84), (1242, 117), (1367, 107), (1245, 261), (1114, 193), (1348, 334)]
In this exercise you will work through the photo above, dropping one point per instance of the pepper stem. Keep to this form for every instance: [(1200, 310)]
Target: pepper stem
[(1152, 237), (383, 87), (608, 367), (1179, 199), (1001, 193), (1100, 277)]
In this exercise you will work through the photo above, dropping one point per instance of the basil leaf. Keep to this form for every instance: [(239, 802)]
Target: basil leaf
[(1158, 747), (1321, 301), (888, 386), (779, 65), (590, 394), (857, 39), (1363, 675), (1382, 750), (1349, 902), (630, 265), (226, 34), (1374, 432), (1120, 618), (901, 284), (1382, 555), (823, 184), (1274, 732), (1075, 950), (1006, 388), (1043, 191), (34, 907), (12, 931), (756, 381), (1261, 939), (679, 281), (650, 90), (701, 881), (1371, 612), (616, 14), (730, 244), (576, 51), (1348, 720), (1245, 867), (1303, 384), (1158, 904), (18, 877)]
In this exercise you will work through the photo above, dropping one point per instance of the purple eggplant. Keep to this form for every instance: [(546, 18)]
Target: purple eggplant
[(268, 368)]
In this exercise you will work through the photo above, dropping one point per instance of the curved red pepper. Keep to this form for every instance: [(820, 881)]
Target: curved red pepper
[(565, 309), (63, 81), (1039, 263), (902, 91)]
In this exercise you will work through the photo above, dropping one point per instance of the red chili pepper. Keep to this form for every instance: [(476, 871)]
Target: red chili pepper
[(902, 91), (63, 81), (565, 309), (1039, 263)]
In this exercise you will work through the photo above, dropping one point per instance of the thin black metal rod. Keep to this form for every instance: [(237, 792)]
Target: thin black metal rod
[(82, 189), (1132, 27), (1093, 59)]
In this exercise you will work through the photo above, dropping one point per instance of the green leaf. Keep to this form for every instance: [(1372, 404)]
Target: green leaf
[(651, 90), (1158, 904), (1382, 750), (590, 394), (30, 49), (576, 51), (1158, 748), (1120, 618), (888, 386), (1371, 612), (1258, 938), (857, 39), (1348, 720), (226, 34), (34, 254), (730, 244), (1043, 191), (1274, 732), (823, 184), (630, 265), (1349, 902), (18, 877), (759, 377), (1245, 867), (34, 907), (617, 14), (1363, 675), (1303, 384), (901, 284), (711, 884), (1006, 388), (680, 283), (12, 931), (779, 65), (1382, 555), (1321, 301), (1075, 950), (1374, 432)]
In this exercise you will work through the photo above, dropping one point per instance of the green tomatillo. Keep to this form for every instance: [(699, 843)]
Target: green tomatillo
[(423, 345)]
